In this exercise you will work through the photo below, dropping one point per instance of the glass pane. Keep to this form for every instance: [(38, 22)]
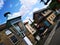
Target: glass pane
[(47, 23), (14, 39), (8, 32), (21, 25)]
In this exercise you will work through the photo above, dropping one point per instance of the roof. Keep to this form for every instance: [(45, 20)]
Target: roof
[(3, 26), (13, 17), (38, 12), (9, 16), (25, 23), (41, 10)]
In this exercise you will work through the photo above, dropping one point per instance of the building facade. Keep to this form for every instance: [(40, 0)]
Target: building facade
[(32, 32), (14, 32), (44, 19)]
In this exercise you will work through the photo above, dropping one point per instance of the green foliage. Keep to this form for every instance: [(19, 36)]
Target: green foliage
[(54, 4)]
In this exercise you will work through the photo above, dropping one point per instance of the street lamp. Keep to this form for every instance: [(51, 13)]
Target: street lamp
[(45, 2)]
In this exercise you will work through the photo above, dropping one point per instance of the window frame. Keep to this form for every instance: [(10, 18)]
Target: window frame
[(12, 41)]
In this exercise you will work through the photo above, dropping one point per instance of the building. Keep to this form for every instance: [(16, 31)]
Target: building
[(14, 32), (32, 32), (9, 37), (44, 18), (30, 29)]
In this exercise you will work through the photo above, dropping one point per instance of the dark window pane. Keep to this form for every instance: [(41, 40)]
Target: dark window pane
[(42, 28), (14, 39), (47, 23)]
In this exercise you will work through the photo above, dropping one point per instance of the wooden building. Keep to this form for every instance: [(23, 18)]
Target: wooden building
[(44, 18), (33, 36), (13, 32)]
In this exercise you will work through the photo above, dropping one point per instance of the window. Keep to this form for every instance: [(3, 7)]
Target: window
[(52, 15), (7, 32), (39, 17), (14, 39), (20, 28), (21, 25), (49, 19), (52, 18), (17, 27), (41, 28), (47, 23), (44, 12)]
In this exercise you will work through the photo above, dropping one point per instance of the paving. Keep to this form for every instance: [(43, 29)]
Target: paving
[(42, 41), (54, 37)]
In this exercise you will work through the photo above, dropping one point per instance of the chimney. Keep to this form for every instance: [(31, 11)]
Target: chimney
[(7, 15)]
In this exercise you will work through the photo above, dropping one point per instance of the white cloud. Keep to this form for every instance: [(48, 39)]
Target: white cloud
[(30, 16), (23, 12), (1, 3), (28, 3), (14, 15), (28, 19), (47, 4), (35, 9), (25, 8)]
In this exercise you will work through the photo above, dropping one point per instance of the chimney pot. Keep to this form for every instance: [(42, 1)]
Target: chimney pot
[(6, 14)]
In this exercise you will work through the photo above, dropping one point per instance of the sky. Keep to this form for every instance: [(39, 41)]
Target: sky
[(24, 8)]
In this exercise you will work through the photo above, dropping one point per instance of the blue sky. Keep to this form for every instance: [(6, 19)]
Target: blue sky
[(25, 8)]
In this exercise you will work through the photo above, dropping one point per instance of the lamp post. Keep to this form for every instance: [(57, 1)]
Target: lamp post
[(45, 2)]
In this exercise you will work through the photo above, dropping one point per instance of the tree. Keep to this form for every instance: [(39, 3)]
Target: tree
[(55, 4)]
